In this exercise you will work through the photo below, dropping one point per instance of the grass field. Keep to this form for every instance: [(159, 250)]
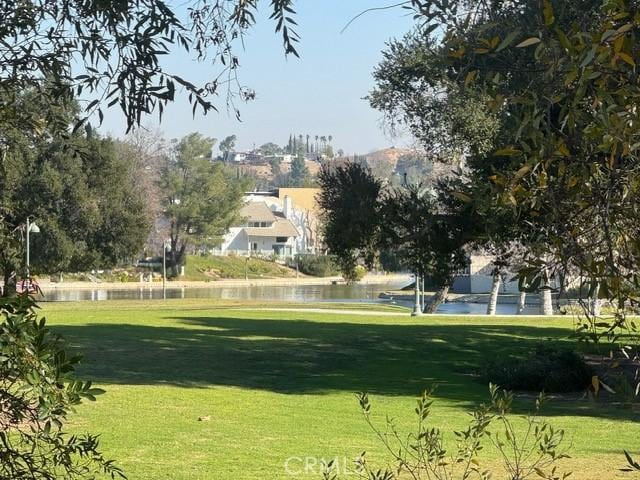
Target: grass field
[(281, 384)]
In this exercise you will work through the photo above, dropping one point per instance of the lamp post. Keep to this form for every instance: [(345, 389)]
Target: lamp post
[(165, 244), (31, 228), (417, 308)]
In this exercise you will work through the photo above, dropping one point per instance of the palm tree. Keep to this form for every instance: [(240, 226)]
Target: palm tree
[(330, 139), (308, 142), (316, 143)]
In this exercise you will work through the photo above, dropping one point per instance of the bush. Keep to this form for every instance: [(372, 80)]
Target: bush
[(548, 369), (316, 265), (37, 392), (359, 273)]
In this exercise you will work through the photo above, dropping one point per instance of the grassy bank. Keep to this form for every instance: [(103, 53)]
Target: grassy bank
[(201, 268), (277, 384)]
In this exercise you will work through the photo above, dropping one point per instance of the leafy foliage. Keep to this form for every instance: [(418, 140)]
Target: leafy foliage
[(38, 391), (316, 265), (299, 172), (108, 53), (201, 199), (422, 453), (363, 218), (559, 172), (79, 190), (350, 201)]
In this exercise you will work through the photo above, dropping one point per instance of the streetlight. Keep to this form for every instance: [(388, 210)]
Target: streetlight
[(31, 228), (417, 308), (165, 245)]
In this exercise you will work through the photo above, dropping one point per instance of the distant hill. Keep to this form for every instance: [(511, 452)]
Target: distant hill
[(387, 156)]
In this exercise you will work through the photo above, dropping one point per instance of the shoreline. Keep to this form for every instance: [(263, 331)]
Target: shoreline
[(370, 279)]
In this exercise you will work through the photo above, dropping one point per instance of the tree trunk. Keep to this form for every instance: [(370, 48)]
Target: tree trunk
[(493, 297), (546, 301), (521, 303), (422, 300), (594, 302), (437, 299), (9, 286)]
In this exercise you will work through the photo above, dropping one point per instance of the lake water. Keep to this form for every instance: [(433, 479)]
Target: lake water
[(298, 293)]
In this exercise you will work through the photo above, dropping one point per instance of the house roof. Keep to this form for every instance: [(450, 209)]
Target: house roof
[(257, 212), (280, 228)]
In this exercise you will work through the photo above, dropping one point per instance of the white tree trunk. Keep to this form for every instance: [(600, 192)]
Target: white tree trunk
[(521, 303), (493, 297), (546, 301)]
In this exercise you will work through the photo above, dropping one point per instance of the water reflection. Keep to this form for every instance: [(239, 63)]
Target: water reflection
[(297, 293)]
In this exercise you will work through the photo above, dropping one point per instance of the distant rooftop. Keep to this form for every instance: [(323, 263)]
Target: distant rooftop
[(257, 212)]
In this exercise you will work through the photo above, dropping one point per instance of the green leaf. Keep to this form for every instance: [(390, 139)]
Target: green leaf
[(509, 151), (508, 40)]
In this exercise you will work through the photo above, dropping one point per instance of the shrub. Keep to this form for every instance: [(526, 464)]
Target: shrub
[(421, 454), (548, 369), (360, 273), (316, 265), (37, 392)]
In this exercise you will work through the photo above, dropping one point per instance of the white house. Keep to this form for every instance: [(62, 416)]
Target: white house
[(262, 232)]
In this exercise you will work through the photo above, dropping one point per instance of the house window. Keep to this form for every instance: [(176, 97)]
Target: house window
[(254, 247), (281, 239), (264, 224)]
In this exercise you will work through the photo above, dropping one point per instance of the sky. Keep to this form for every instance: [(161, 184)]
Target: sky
[(320, 94)]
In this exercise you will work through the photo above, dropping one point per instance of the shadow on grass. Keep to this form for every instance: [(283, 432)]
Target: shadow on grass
[(306, 357)]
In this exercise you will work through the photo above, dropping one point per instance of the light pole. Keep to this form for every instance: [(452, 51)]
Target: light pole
[(31, 228), (417, 309), (165, 244)]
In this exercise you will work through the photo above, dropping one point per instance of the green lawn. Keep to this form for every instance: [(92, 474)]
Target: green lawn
[(281, 384), (203, 268)]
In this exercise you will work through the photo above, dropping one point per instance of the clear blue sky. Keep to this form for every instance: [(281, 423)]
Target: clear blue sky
[(320, 93)]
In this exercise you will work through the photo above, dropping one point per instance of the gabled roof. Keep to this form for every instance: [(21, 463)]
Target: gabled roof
[(280, 228), (257, 212)]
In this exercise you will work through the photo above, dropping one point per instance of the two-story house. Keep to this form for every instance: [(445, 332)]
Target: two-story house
[(262, 232)]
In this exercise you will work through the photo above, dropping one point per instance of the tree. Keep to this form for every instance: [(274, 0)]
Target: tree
[(147, 152), (299, 172), (434, 92), (108, 53), (363, 219), (350, 203), (201, 199), (290, 145), (270, 149), (80, 192), (274, 163), (560, 78), (227, 146)]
